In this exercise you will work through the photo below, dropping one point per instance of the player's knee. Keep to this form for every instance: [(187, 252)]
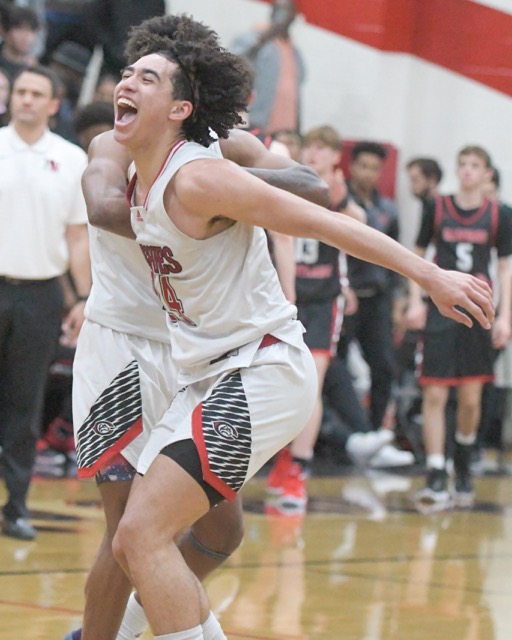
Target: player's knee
[(230, 540), (236, 533), (470, 404), (129, 540), (434, 396), (117, 549), (221, 531)]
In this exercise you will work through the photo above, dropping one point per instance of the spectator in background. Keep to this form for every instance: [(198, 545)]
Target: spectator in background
[(495, 395), (464, 229), (279, 70), (320, 309), (491, 189), (91, 120), (292, 140), (345, 423), (69, 60), (425, 174), (40, 176), (372, 324), (111, 22), (20, 28), (92, 22), (38, 6), (68, 21), (105, 86)]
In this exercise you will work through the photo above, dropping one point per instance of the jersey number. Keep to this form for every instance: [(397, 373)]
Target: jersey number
[(464, 253), (306, 251), (172, 303)]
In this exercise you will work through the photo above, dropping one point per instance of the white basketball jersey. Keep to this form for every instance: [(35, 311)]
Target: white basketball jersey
[(122, 297), (222, 294)]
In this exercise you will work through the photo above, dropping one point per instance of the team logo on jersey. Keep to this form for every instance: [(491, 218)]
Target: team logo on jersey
[(138, 214), (104, 428), (226, 431), (52, 165)]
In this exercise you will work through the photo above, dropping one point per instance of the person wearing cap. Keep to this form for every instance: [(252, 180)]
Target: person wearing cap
[(69, 61)]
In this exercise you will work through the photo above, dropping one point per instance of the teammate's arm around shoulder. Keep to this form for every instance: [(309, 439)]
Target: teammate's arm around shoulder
[(276, 169), (104, 185)]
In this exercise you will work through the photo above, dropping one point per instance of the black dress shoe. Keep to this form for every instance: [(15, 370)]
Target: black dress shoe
[(20, 528)]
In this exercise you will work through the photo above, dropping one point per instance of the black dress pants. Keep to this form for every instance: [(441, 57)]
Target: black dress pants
[(30, 320), (371, 326)]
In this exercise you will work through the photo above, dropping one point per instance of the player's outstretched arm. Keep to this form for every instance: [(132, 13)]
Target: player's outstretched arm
[(275, 169), (207, 187), (104, 185), (452, 291)]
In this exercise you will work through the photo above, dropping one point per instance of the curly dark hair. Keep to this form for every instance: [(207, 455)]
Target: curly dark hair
[(216, 82)]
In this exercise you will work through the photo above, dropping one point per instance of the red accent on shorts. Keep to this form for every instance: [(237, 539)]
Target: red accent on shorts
[(322, 352), (268, 340), (106, 457), (208, 475), (198, 437), (455, 382)]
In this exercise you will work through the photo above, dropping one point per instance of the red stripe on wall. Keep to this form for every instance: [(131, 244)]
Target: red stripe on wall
[(463, 36), (468, 38)]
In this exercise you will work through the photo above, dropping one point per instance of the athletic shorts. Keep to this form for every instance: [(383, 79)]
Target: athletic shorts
[(456, 354), (240, 418), (322, 321), (122, 385)]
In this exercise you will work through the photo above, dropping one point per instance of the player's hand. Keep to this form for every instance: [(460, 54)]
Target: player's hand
[(452, 291), (500, 332), (72, 324), (351, 301), (416, 316)]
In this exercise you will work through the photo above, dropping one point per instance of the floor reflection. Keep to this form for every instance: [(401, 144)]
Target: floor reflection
[(361, 564)]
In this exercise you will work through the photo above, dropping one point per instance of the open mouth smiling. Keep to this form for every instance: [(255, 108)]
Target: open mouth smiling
[(126, 110)]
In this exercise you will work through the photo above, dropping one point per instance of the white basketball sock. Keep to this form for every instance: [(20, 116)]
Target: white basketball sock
[(196, 633), (465, 439), (134, 621), (436, 461), (212, 629)]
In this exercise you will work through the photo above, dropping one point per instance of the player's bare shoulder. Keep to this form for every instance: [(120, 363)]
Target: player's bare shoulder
[(195, 197), (105, 147)]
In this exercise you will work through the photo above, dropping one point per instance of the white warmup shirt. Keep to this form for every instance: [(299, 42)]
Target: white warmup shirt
[(40, 195)]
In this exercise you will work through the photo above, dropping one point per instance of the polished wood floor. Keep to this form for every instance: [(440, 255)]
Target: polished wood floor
[(362, 565)]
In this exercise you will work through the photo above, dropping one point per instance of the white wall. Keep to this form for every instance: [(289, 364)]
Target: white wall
[(417, 106)]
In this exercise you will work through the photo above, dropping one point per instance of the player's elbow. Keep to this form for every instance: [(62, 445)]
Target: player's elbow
[(316, 188), (98, 215)]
